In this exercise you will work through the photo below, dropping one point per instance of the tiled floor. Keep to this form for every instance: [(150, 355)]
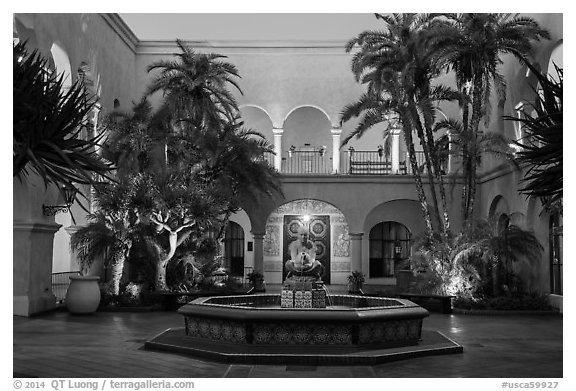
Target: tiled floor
[(109, 344)]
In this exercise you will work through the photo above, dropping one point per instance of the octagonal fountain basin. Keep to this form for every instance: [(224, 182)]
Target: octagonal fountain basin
[(255, 329)]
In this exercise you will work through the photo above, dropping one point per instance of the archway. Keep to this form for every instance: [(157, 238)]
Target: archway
[(498, 206), (307, 142), (328, 230), (234, 249)]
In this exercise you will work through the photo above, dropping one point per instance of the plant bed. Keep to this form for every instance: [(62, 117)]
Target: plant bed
[(527, 304), (432, 302)]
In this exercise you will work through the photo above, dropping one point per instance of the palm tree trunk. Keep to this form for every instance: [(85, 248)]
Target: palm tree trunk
[(465, 161), (438, 174), (118, 269), (428, 160), (475, 124), (417, 178)]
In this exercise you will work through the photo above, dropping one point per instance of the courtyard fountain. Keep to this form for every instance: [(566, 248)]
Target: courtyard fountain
[(303, 324)]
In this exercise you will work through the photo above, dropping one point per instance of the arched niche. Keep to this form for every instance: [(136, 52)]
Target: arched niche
[(256, 118), (62, 260), (62, 63), (329, 229)]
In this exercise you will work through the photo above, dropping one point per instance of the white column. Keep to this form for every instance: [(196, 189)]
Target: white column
[(278, 148), (336, 132), (395, 150)]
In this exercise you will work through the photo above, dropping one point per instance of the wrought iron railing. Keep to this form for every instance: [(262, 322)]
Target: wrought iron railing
[(352, 162), (306, 162), (367, 163), (60, 284)]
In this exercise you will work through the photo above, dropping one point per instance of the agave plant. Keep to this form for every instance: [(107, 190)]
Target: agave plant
[(48, 124), (541, 148)]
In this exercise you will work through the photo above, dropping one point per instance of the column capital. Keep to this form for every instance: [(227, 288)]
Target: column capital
[(395, 131), (356, 236), (336, 130), (258, 234), (277, 130)]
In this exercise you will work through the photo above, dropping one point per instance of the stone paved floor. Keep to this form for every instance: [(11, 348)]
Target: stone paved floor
[(109, 345)]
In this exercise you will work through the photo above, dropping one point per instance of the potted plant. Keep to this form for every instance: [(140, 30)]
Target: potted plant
[(355, 282), (256, 279)]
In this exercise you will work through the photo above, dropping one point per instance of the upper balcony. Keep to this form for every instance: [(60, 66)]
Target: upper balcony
[(315, 161)]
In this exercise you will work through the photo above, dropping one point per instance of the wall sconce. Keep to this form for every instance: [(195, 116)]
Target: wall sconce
[(69, 193)]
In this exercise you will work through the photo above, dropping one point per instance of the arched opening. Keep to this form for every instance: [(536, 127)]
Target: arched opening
[(307, 142), (234, 249), (62, 64), (389, 249), (255, 118)]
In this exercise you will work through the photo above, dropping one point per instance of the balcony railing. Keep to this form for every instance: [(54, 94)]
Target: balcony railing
[(306, 162), (352, 162), (367, 163)]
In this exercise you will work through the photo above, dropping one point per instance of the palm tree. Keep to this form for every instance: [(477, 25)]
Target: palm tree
[(132, 139), (489, 143), (397, 70), (471, 45), (195, 87), (541, 148), (48, 123), (499, 249), (110, 233)]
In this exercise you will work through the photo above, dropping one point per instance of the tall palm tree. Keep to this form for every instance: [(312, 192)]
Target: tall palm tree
[(471, 45), (195, 87), (397, 70)]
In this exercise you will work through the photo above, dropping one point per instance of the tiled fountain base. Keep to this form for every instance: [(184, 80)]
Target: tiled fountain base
[(175, 340)]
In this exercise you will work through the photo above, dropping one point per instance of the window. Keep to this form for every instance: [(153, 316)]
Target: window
[(555, 238), (234, 249), (389, 247)]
